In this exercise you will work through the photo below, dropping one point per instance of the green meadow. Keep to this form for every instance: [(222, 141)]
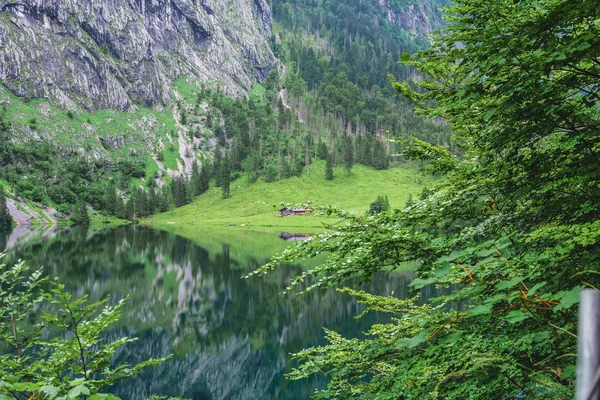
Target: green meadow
[(255, 206)]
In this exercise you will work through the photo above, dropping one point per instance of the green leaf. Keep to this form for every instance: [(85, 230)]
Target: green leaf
[(103, 396), (508, 284), (405, 57), (50, 391), (421, 283), (78, 391), (535, 287), (516, 316), (568, 299), (480, 310), (412, 342), (569, 372), (486, 252), (489, 114)]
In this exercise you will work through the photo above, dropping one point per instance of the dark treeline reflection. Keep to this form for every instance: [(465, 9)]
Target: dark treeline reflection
[(231, 337)]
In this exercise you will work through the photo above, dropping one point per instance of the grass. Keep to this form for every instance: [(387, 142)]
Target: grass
[(81, 129), (254, 207)]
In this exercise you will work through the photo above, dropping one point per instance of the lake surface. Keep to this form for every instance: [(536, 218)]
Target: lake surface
[(231, 337)]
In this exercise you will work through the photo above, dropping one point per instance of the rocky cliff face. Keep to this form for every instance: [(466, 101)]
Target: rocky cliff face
[(115, 53), (418, 17)]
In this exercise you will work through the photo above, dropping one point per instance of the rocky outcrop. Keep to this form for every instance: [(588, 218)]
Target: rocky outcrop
[(115, 53), (417, 17)]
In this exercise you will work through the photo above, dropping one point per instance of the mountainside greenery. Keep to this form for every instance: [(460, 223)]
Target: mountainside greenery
[(327, 101), (513, 228), (343, 50)]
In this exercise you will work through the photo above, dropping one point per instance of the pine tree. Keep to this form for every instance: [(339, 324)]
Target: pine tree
[(140, 203), (152, 200), (204, 178), (189, 191), (162, 202), (322, 152), (329, 168), (110, 199), (179, 191), (195, 181), (297, 167), (348, 153), (79, 214), (6, 222), (380, 158), (129, 210), (366, 151), (120, 208), (85, 218), (225, 177), (216, 167), (381, 204)]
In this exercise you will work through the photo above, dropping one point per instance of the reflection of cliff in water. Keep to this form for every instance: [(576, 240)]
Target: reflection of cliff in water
[(231, 337), (23, 234)]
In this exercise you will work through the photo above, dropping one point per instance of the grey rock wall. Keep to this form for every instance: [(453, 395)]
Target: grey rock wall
[(115, 53)]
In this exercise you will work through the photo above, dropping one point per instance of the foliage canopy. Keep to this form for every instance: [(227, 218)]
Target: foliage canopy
[(52, 345), (514, 228)]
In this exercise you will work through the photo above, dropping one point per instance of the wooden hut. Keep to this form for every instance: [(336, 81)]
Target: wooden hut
[(284, 212), (294, 237)]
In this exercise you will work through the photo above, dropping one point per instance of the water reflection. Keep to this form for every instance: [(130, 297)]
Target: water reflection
[(231, 337)]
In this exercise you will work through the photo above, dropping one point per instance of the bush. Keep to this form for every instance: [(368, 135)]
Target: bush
[(71, 362), (379, 206)]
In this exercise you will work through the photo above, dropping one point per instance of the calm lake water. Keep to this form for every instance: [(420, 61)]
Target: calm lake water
[(231, 337)]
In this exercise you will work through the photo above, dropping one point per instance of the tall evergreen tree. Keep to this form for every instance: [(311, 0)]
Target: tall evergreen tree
[(179, 190), (204, 181), (348, 153), (140, 203), (322, 151), (298, 166), (79, 214), (130, 210), (6, 221), (252, 166), (366, 151), (195, 181), (225, 177), (216, 167), (162, 202), (189, 191), (329, 167), (380, 158), (152, 201), (120, 208), (110, 199)]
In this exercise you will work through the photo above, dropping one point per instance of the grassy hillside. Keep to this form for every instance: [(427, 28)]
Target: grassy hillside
[(254, 207)]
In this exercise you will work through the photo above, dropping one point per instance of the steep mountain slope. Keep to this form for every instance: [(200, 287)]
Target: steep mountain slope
[(112, 54), (125, 99), (342, 51)]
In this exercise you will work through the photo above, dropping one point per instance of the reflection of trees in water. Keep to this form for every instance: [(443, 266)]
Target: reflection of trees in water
[(231, 336)]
